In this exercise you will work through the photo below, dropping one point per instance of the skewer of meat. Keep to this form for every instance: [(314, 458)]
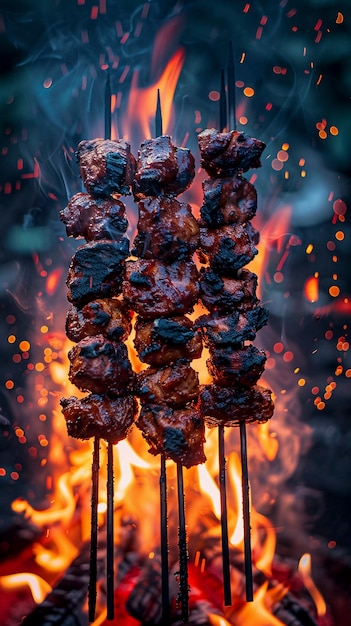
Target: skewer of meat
[(229, 292), (99, 323), (161, 285)]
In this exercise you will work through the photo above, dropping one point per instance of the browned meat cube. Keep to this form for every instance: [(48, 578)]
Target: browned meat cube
[(227, 154), (94, 218), (167, 230), (227, 293), (228, 201), (175, 385), (232, 367), (225, 330), (96, 270), (179, 433), (99, 416), (162, 169), (101, 366), (106, 167), (230, 406), (153, 289), (228, 248), (164, 340), (105, 317)]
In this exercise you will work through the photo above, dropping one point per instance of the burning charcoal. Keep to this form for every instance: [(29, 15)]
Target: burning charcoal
[(106, 317), (224, 330), (162, 169), (167, 230), (226, 154), (106, 166), (231, 366), (178, 433), (153, 289), (99, 416), (174, 385), (228, 248), (94, 218), (164, 340), (228, 201), (223, 294), (228, 406), (101, 366), (96, 271)]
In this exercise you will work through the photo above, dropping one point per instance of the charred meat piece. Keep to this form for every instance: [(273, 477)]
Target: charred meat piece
[(175, 385), (227, 154), (153, 289), (101, 366), (96, 270), (94, 218), (167, 230), (228, 201), (230, 330), (106, 166), (230, 406), (162, 169), (226, 294), (231, 366), (164, 340), (105, 317), (99, 416), (178, 433), (228, 248)]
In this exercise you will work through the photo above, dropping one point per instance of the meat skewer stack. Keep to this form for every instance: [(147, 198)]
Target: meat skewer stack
[(228, 291), (161, 286), (98, 321)]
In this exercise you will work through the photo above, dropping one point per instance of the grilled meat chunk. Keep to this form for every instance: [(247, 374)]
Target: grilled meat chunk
[(236, 367), (106, 167), (178, 433), (94, 218), (101, 366), (175, 385), (96, 270), (231, 330), (228, 201), (99, 416), (230, 406), (164, 340), (153, 289), (228, 248), (105, 317), (167, 230), (162, 169), (227, 154), (225, 294)]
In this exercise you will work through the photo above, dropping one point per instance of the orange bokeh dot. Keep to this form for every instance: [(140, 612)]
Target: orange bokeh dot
[(334, 291), (249, 92), (282, 155), (278, 277), (288, 356), (340, 236), (278, 347)]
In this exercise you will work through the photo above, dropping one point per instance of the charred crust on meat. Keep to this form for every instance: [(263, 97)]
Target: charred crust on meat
[(106, 166)]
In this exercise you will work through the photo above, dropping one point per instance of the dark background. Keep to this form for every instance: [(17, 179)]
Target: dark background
[(297, 60)]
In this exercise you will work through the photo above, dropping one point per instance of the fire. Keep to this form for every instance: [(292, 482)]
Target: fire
[(311, 289), (39, 588), (305, 572), (142, 101)]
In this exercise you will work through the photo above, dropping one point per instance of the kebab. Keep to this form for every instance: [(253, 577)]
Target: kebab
[(161, 286), (228, 291), (99, 323)]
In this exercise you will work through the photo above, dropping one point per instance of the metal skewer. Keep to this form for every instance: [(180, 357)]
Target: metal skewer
[(94, 530), (243, 446), (163, 474)]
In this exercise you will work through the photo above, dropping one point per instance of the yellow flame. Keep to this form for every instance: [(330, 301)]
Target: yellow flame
[(209, 487), (305, 573), (39, 588), (268, 441), (258, 612), (59, 556), (234, 467)]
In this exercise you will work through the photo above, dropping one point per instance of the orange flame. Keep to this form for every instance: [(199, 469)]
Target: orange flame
[(311, 289), (142, 102), (39, 588), (305, 573)]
